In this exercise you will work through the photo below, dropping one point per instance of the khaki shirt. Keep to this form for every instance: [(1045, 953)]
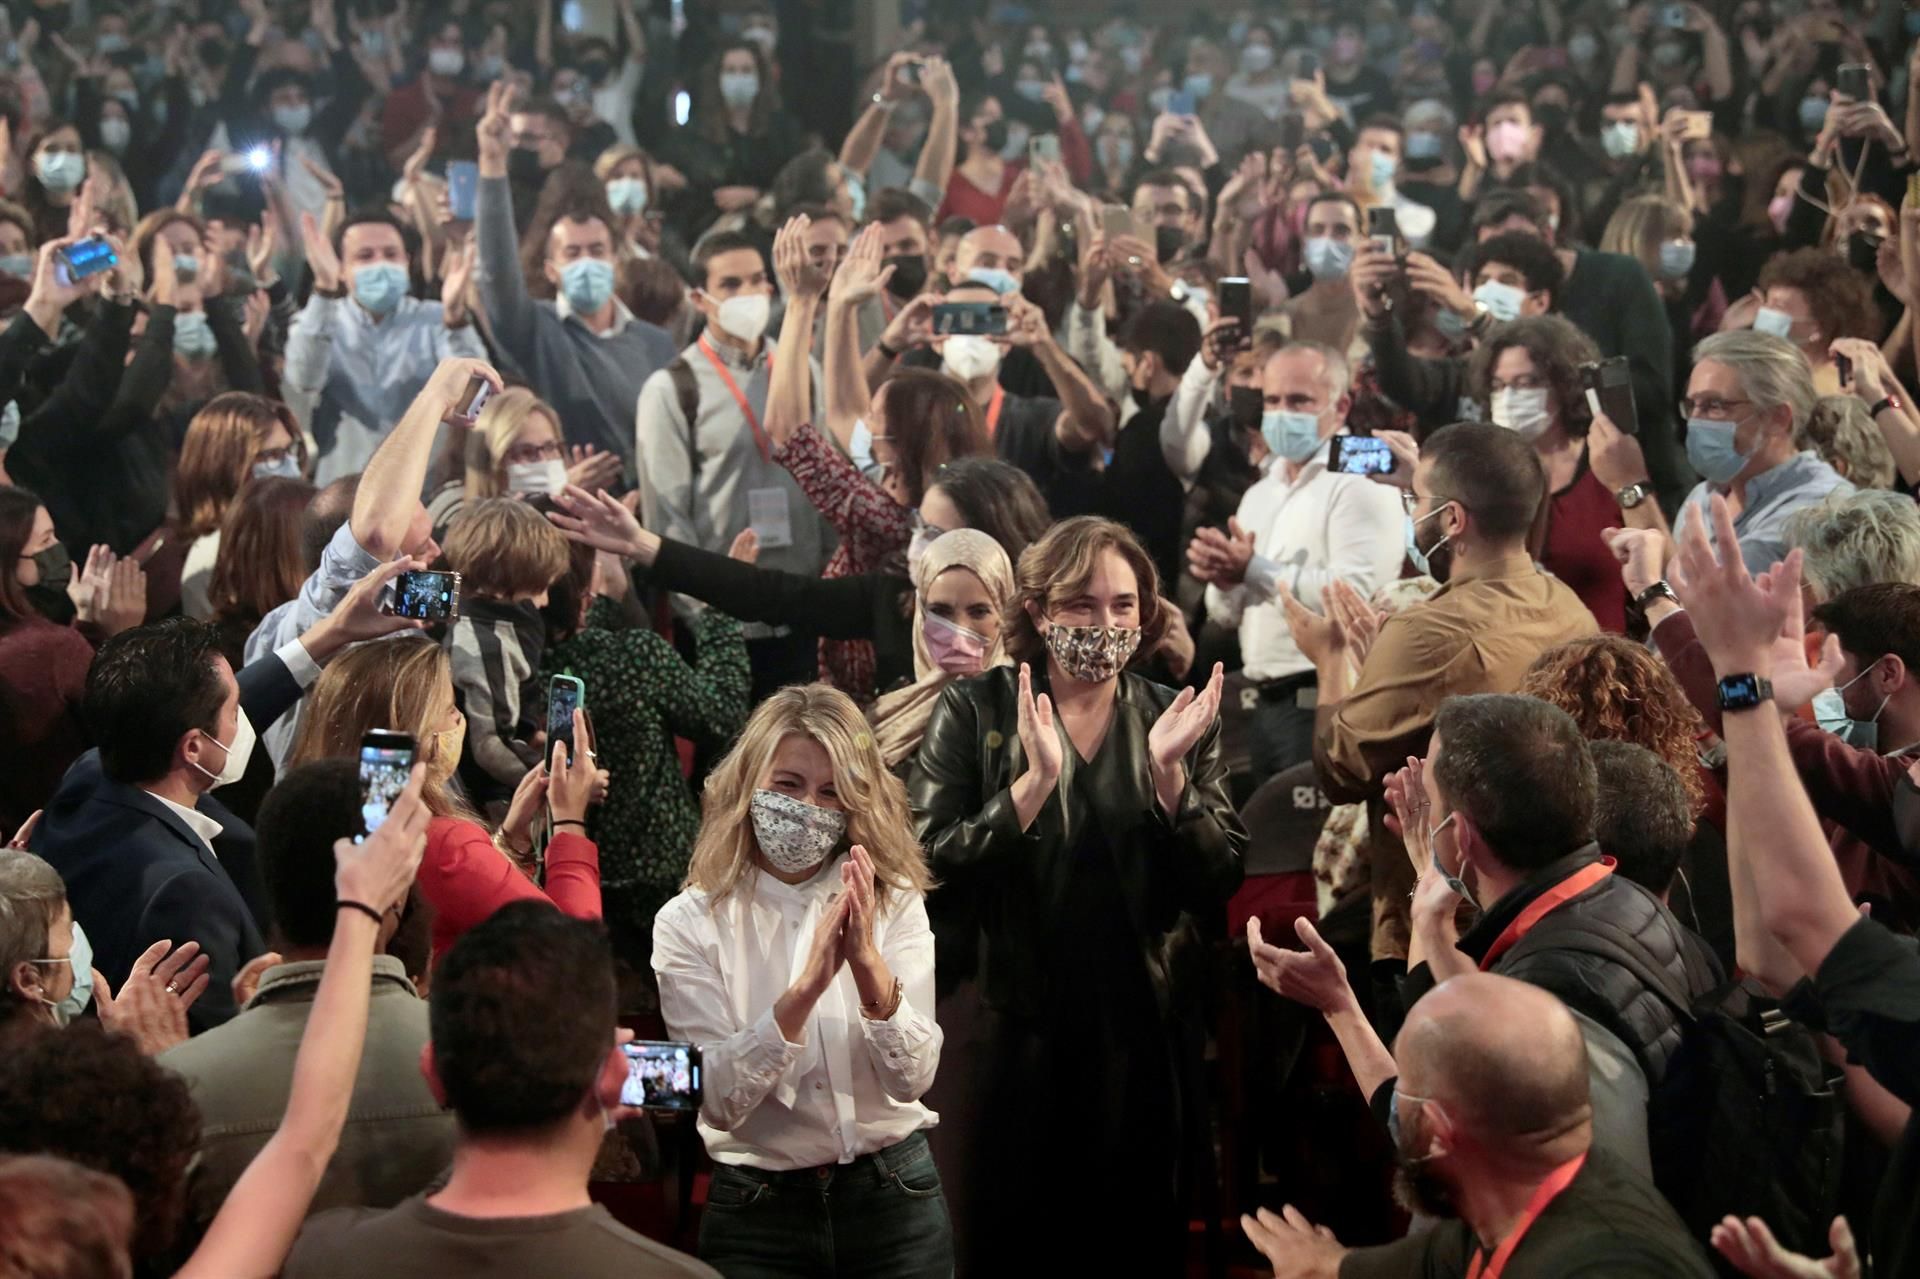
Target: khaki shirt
[(1477, 634)]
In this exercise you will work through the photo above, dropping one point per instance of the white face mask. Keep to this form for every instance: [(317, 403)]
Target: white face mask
[(1501, 300), (238, 752), (969, 356), (745, 316), (1521, 410), (794, 836), (548, 477)]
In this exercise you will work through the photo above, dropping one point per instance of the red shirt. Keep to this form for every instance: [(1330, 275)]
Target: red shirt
[(983, 208), (465, 878), (1575, 554), (43, 675)]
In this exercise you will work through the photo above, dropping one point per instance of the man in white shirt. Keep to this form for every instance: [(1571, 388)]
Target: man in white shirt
[(1301, 526), (362, 348)]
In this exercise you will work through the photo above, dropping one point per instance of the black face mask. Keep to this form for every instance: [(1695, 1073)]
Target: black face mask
[(909, 274), (1863, 251), (524, 167), (1167, 243), (49, 595), (995, 137)]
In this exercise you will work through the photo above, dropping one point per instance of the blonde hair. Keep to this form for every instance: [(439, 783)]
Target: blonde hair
[(401, 684), (493, 434), (618, 154), (503, 549), (874, 799), (216, 457), (1641, 225)]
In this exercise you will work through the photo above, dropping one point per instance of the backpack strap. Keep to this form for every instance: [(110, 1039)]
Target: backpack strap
[(686, 389)]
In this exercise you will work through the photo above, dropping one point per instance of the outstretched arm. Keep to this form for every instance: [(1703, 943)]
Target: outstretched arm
[(790, 396)]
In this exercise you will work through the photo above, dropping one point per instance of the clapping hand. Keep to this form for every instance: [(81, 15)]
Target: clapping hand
[(320, 255), (1314, 977), (151, 1006), (1359, 621), (857, 885), (113, 592), (1318, 638), (592, 469), (1039, 739), (1180, 726), (1736, 616)]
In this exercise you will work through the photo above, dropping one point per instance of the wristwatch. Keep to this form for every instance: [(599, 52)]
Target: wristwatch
[(1890, 402), (1632, 495), (1659, 590), (1745, 692)]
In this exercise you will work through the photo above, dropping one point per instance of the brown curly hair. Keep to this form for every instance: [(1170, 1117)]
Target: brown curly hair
[(87, 1094), (1059, 566), (1557, 348), (1617, 691), (1839, 298)]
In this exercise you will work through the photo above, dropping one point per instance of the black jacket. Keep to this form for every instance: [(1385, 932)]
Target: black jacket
[(1590, 984), (137, 874), (1170, 872)]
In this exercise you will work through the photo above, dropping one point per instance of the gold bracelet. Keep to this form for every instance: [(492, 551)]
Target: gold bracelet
[(893, 1004)]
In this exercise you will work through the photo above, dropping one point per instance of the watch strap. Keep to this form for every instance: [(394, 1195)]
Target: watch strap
[(1659, 590), (1744, 692), (1632, 495)]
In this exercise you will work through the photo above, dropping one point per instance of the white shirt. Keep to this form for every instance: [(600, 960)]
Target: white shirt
[(198, 822), (196, 576), (853, 1085), (1306, 532)]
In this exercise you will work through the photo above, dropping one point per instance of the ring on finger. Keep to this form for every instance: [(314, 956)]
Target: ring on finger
[(172, 989)]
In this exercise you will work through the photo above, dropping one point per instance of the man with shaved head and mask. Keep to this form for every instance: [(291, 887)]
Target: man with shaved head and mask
[(1493, 1133)]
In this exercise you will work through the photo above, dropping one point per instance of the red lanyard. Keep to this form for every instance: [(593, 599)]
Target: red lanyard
[(1554, 898), (993, 409), (1549, 1190), (739, 397)]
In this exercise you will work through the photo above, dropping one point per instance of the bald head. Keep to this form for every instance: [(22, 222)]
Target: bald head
[(1505, 1058), (992, 247)]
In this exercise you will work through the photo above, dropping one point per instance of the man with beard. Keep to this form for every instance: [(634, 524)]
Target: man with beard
[(1493, 1133), (1470, 506)]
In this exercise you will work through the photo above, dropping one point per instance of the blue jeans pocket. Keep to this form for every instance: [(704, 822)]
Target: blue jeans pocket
[(918, 1178), (731, 1191)]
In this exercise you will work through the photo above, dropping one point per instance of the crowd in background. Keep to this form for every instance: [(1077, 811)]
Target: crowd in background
[(1053, 536)]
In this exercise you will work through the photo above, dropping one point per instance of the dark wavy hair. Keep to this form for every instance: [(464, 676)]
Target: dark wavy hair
[(998, 498), (89, 1095), (1558, 350), (932, 421), (18, 506)]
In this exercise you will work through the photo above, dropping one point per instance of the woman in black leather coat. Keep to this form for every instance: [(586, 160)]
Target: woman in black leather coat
[(1085, 809)]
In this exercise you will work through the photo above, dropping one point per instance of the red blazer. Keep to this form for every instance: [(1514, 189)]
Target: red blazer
[(466, 878)]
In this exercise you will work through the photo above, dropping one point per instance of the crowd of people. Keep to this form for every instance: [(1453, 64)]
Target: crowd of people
[(1307, 597)]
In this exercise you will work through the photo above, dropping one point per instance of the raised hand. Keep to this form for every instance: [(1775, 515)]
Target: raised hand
[(125, 603), (1359, 621), (359, 616), (328, 180), (423, 152), (863, 273), (459, 267), (1314, 977), (378, 871), (1221, 558), (603, 523), (448, 386), (263, 241), (492, 134), (1642, 554), (246, 982), (592, 468), (52, 293), (1039, 738), (22, 836), (1735, 617), (1614, 455), (570, 782), (1180, 726), (799, 275), (207, 171), (1318, 638), (151, 1007), (856, 879)]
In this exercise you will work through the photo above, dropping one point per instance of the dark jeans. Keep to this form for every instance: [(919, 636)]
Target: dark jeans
[(882, 1215), (1279, 729)]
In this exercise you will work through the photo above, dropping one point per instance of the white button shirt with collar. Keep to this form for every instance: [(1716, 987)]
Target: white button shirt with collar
[(852, 1085), (1307, 530)]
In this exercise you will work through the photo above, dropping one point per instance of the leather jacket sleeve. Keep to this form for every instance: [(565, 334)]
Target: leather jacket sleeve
[(958, 825)]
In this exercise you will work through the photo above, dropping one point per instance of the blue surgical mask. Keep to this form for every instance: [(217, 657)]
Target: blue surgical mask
[(1423, 145), (380, 287), (1711, 452), (1830, 712), (1676, 258), (293, 120), (1423, 560), (1159, 98), (1380, 169), (285, 467), (1457, 884), (739, 88), (628, 196), (81, 957), (1328, 258), (1451, 326), (60, 170), (1294, 436), (1769, 320), (17, 265), (1000, 281), (1199, 84), (1813, 112), (587, 284), (1031, 90), (857, 197), (1620, 139), (192, 336), (1501, 300)]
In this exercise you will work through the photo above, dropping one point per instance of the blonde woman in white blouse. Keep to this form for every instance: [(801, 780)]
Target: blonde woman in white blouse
[(799, 959)]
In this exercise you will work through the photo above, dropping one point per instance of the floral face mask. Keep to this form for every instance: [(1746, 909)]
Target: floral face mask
[(1092, 654)]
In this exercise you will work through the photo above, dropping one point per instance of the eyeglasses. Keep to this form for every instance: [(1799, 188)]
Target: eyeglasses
[(1410, 500), (273, 457), (548, 452), (1710, 407)]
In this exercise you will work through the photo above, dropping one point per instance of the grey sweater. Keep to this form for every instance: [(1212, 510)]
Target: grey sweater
[(593, 380)]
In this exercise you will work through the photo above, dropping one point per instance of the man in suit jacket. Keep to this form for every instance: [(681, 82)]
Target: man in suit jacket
[(146, 852)]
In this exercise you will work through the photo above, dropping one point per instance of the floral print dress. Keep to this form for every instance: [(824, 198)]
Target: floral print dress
[(642, 694)]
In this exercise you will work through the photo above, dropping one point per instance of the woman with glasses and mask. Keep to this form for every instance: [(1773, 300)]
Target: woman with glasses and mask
[(516, 448), (799, 959), (236, 438), (1527, 375), (917, 420), (49, 624), (1085, 810)]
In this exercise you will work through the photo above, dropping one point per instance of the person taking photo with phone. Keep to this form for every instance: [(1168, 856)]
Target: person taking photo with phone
[(800, 962)]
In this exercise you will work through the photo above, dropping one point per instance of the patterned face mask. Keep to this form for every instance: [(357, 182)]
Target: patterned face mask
[(794, 836), (1092, 654)]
